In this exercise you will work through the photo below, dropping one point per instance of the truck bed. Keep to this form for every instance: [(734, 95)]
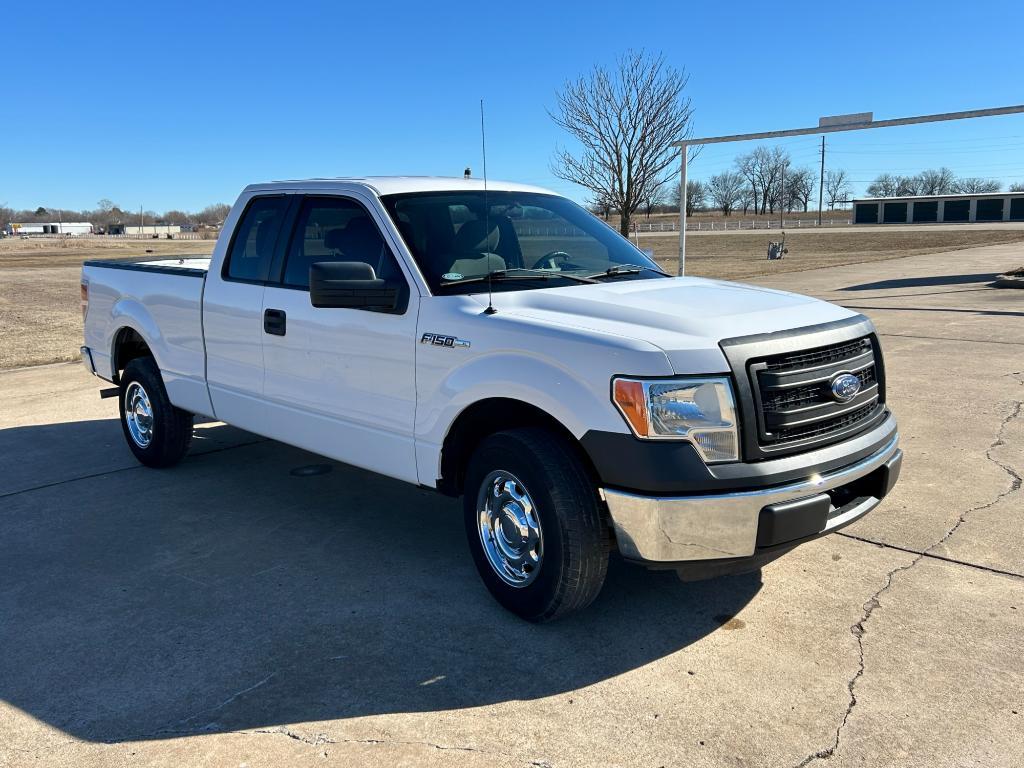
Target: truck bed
[(174, 265), (161, 300)]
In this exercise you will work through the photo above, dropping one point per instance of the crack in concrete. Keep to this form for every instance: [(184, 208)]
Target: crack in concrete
[(116, 470), (953, 338), (320, 739), (1015, 478), (929, 555), (858, 630)]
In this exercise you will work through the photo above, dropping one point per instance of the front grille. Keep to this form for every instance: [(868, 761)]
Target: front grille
[(828, 426), (801, 397), (793, 393), (820, 356)]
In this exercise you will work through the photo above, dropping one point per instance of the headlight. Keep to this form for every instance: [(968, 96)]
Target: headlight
[(702, 411)]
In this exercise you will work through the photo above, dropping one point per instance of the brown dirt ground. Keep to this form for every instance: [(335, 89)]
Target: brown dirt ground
[(40, 313), (41, 321)]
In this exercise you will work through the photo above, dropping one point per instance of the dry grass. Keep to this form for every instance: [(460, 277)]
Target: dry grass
[(742, 256), (40, 315), (41, 322)]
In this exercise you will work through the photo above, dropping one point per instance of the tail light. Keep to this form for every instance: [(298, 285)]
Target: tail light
[(85, 298)]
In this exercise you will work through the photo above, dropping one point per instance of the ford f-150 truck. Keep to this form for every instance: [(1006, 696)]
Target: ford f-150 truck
[(502, 344)]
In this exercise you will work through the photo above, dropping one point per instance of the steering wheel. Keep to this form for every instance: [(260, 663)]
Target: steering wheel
[(552, 260)]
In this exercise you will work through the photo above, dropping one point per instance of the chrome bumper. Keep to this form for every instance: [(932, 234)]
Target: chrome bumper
[(674, 529)]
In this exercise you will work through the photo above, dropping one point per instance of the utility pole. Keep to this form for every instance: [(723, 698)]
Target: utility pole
[(782, 198), (142, 222), (821, 179), (681, 270)]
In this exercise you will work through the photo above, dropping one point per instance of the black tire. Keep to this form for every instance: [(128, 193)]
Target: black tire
[(575, 537), (170, 428)]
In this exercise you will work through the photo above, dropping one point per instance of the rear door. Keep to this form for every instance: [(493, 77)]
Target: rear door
[(233, 313), (339, 381)]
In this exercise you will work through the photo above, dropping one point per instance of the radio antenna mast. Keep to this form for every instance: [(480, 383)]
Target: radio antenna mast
[(487, 215)]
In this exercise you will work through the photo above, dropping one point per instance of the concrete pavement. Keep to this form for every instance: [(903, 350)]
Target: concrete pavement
[(230, 611)]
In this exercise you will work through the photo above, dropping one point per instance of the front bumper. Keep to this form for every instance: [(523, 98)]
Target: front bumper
[(678, 529)]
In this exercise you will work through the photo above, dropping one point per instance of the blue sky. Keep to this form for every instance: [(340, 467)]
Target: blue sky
[(180, 105)]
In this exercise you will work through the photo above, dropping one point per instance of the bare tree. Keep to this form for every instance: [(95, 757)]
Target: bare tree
[(1017, 187), (745, 167), (908, 185), (213, 215), (974, 185), (800, 187), (726, 190), (656, 198), (177, 217), (763, 168), (626, 120), (837, 186), (936, 181), (748, 200), (884, 185), (696, 196)]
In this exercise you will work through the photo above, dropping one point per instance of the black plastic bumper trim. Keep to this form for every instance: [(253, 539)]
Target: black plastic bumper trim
[(658, 467)]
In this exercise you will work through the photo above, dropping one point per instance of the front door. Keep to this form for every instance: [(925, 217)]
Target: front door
[(233, 313), (341, 382)]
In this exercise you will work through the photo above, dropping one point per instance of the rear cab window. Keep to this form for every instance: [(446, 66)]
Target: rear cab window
[(253, 244)]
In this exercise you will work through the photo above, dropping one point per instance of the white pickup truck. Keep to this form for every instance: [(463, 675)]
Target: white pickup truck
[(502, 344)]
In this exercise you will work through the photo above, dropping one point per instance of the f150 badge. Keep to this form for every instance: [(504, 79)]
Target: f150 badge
[(440, 340)]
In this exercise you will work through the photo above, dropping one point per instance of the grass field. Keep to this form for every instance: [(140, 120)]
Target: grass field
[(742, 256), (41, 321)]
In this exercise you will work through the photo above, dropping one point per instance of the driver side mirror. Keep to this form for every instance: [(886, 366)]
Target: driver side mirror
[(350, 284)]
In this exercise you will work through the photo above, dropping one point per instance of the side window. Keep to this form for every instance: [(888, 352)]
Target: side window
[(252, 247), (337, 229)]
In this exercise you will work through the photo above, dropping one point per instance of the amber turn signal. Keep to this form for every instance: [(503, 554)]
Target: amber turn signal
[(629, 397)]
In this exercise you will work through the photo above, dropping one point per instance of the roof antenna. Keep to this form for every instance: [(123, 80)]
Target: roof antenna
[(487, 216)]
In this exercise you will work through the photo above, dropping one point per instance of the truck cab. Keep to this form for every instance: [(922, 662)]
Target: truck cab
[(499, 343)]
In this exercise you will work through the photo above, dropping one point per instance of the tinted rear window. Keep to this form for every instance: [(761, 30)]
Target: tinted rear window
[(252, 247)]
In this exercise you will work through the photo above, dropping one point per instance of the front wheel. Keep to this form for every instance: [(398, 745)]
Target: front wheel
[(157, 433), (534, 524)]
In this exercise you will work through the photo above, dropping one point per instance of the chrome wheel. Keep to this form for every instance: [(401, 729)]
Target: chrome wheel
[(509, 528), (138, 415)]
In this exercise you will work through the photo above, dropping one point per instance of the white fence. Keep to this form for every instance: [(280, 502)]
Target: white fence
[(726, 225), (204, 235)]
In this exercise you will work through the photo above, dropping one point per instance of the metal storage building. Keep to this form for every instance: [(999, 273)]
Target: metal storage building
[(928, 209), (52, 228)]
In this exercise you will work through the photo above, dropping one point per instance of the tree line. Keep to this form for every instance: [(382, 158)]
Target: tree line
[(107, 212), (940, 181), (764, 181)]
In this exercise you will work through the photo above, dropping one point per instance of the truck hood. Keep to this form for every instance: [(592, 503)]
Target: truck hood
[(686, 316)]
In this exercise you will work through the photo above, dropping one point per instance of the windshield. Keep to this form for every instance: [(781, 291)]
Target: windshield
[(523, 240)]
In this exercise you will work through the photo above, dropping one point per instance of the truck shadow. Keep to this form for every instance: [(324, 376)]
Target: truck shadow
[(258, 585)]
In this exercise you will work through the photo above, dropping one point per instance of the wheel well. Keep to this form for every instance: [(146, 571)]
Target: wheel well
[(484, 418), (128, 345)]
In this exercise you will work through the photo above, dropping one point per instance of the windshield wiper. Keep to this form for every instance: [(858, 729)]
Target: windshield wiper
[(519, 273), (625, 269)]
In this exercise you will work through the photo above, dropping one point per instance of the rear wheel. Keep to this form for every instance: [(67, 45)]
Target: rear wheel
[(157, 433), (534, 524)]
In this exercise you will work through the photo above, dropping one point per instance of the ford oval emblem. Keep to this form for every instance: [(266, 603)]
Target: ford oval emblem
[(845, 387)]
